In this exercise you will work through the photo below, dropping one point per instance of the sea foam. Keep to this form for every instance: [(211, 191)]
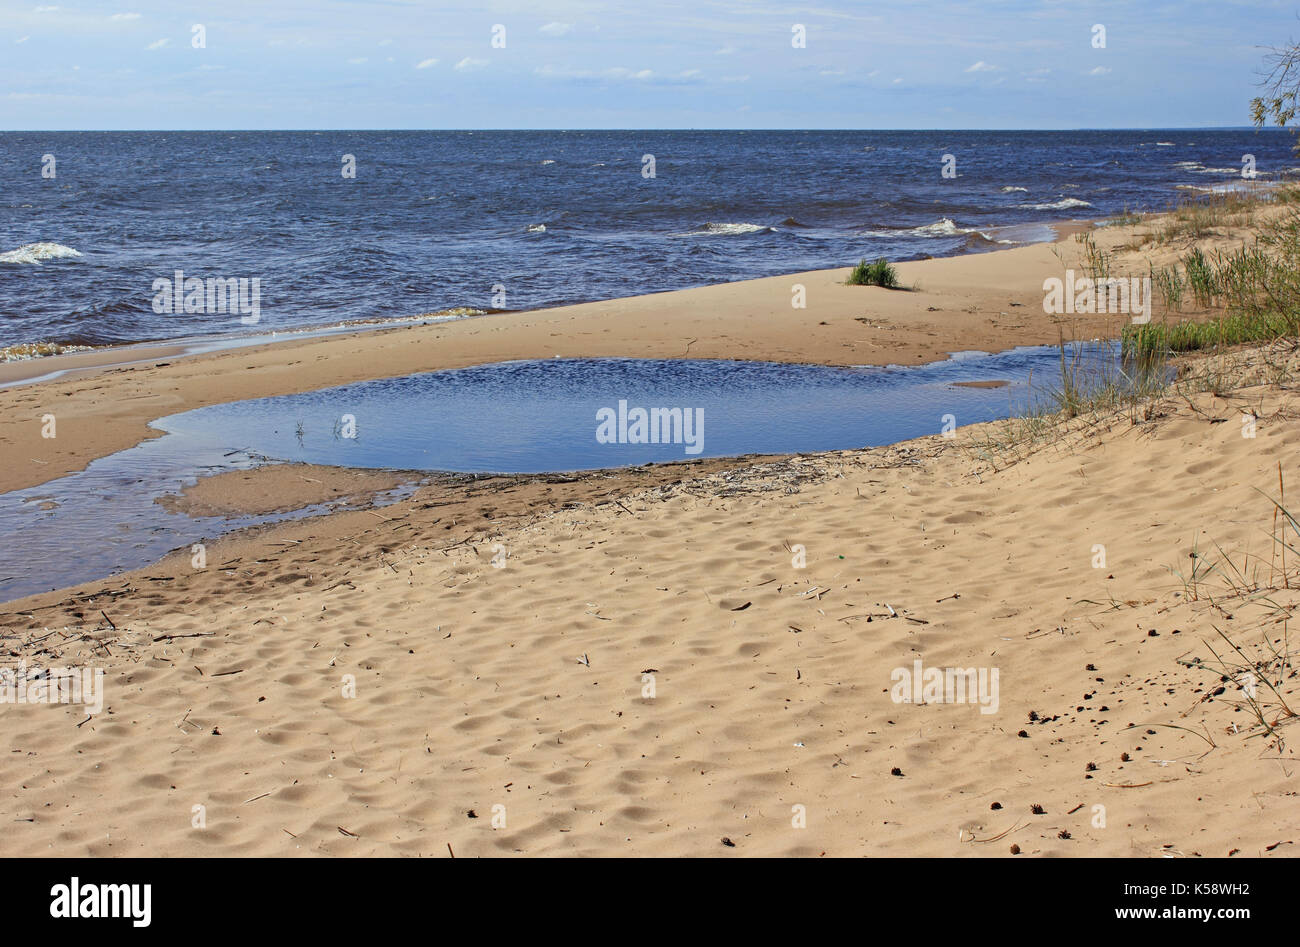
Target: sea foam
[(730, 229), (1064, 204), (34, 253), (943, 227)]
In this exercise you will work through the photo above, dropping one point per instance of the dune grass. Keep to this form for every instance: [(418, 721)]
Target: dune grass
[(1252, 294), (1145, 341), (1257, 287), (1200, 217), (879, 273)]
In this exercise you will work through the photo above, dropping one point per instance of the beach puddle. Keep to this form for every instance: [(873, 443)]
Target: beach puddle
[(514, 417)]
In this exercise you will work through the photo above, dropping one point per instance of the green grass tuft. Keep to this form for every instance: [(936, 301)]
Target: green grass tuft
[(880, 273)]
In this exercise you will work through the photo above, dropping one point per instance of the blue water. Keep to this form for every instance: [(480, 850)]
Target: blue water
[(434, 220), (539, 416), (515, 417)]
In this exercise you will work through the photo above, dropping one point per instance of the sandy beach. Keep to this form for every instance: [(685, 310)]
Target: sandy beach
[(687, 659)]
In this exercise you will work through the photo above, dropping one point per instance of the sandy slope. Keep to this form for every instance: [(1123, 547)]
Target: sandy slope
[(523, 686)]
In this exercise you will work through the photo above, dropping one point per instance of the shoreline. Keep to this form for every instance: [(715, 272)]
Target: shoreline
[(988, 301), (19, 371), (117, 355)]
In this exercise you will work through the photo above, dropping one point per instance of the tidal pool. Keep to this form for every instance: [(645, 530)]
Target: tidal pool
[(512, 417)]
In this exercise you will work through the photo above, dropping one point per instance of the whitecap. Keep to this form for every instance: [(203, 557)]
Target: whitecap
[(1064, 204), (730, 229), (36, 252), (1227, 187), (943, 227)]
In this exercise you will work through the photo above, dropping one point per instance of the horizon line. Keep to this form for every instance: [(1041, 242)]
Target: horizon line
[(1082, 128)]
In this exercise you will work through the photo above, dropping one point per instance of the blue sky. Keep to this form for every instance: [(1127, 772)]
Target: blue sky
[(647, 64)]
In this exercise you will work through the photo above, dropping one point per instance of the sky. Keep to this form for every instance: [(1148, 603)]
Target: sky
[(352, 64)]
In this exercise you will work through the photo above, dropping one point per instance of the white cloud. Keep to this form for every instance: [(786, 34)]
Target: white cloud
[(898, 81), (125, 16), (735, 78), (725, 51), (1099, 71), (23, 40), (158, 44), (468, 63), (982, 66), (45, 9), (556, 29), (358, 61), (832, 72), (620, 73), (426, 63)]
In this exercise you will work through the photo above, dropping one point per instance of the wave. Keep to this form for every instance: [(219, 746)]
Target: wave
[(943, 227), (536, 228), (979, 239), (1198, 168), (729, 229), (190, 344), (29, 350), (1227, 187), (1011, 187), (34, 253), (1064, 203), (438, 315)]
